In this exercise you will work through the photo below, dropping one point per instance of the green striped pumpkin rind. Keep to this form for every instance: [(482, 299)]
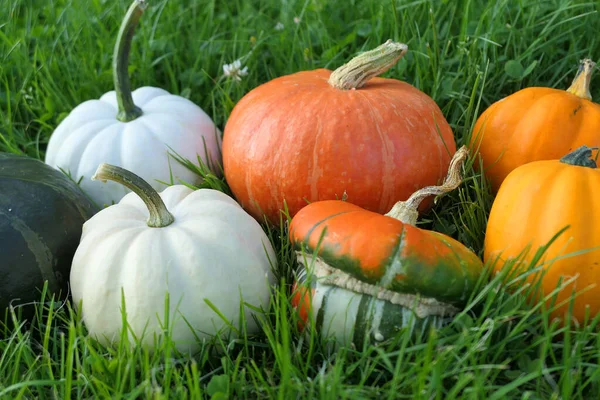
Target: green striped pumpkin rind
[(356, 318)]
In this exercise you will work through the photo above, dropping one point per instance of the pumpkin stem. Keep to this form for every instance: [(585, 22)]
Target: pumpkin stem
[(406, 211), (128, 111), (581, 157), (360, 69), (159, 215), (581, 84)]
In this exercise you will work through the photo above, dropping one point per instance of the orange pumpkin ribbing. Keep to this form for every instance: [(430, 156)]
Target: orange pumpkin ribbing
[(297, 138), (533, 204), (536, 123)]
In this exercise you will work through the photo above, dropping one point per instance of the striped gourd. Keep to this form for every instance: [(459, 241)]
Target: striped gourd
[(364, 276), (352, 317)]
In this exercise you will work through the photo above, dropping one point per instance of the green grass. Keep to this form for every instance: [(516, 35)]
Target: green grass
[(466, 54)]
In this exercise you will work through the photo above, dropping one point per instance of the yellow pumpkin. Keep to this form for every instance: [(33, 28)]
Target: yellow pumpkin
[(535, 202), (536, 123)]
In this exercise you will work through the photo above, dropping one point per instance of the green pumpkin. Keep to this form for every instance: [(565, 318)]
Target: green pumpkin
[(41, 216)]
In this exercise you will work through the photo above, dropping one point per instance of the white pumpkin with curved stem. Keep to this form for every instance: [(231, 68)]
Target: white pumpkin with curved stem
[(194, 245), (133, 130)]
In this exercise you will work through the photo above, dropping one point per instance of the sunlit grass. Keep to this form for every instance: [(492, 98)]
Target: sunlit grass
[(465, 54)]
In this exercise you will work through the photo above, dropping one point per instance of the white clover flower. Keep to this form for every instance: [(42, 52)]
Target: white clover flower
[(27, 94), (297, 20), (235, 70), (279, 26)]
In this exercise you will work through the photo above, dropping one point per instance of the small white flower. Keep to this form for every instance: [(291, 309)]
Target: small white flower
[(27, 94), (297, 20), (235, 70), (279, 26)]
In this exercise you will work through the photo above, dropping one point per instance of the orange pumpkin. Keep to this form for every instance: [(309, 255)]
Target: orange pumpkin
[(373, 274), (533, 204), (536, 123), (318, 135)]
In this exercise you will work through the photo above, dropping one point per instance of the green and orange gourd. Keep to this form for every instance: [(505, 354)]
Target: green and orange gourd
[(364, 276)]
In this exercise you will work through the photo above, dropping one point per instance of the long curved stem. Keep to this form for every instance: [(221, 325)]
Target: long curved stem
[(581, 84), (128, 111), (360, 69), (159, 215), (406, 211)]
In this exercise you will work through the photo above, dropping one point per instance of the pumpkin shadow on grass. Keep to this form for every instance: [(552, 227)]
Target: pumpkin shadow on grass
[(34, 317)]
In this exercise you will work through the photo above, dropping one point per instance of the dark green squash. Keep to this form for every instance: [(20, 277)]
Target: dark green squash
[(41, 216)]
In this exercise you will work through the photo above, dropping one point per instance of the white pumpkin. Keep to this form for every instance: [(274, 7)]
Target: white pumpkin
[(194, 245), (133, 130)]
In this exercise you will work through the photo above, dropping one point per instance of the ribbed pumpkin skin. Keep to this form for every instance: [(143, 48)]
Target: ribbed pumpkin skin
[(530, 125), (296, 138), (41, 217), (533, 204), (383, 251)]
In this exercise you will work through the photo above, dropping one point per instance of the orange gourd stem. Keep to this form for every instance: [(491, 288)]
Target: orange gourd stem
[(357, 72), (406, 211), (581, 84)]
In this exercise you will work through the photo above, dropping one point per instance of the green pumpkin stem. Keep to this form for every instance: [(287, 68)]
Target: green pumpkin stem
[(159, 215), (360, 69), (407, 211), (581, 157), (581, 84), (128, 111)]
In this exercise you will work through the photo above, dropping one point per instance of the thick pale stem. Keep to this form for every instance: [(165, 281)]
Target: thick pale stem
[(159, 215), (581, 157), (407, 211), (128, 111), (360, 69), (581, 84)]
